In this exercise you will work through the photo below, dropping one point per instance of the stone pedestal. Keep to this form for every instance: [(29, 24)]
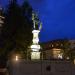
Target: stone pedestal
[(35, 55)]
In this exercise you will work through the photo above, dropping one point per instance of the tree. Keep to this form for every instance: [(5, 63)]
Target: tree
[(17, 31), (27, 13)]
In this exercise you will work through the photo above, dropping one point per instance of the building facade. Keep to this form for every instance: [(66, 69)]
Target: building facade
[(58, 49)]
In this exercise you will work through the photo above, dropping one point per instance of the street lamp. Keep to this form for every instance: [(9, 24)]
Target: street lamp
[(16, 58)]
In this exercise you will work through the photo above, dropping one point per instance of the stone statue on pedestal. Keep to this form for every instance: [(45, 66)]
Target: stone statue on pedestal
[(36, 21)]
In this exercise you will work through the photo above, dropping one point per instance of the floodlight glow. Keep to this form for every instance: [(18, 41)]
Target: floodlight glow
[(74, 61), (35, 31), (67, 58), (35, 41), (17, 58), (35, 47), (35, 36), (60, 56), (35, 55)]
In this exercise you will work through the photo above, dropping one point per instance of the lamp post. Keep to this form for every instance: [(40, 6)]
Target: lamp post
[(35, 47)]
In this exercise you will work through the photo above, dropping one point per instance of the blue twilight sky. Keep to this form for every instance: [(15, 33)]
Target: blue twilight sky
[(57, 16)]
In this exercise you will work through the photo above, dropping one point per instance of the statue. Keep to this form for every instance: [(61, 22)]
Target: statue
[(36, 22), (35, 47)]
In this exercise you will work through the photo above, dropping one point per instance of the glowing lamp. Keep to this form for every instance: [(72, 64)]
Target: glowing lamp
[(74, 61), (16, 58)]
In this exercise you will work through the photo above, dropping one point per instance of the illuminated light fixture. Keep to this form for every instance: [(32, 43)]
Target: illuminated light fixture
[(60, 56), (67, 58), (74, 61), (16, 58)]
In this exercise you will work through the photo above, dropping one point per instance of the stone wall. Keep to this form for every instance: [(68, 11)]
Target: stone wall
[(44, 67)]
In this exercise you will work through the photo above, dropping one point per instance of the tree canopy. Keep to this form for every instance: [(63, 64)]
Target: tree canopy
[(17, 28)]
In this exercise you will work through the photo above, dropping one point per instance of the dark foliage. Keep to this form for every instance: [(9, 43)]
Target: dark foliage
[(17, 29)]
